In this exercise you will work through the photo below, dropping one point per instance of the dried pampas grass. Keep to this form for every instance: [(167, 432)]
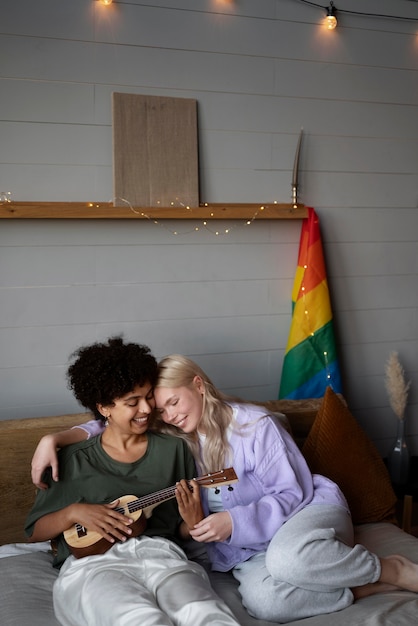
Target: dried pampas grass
[(396, 386)]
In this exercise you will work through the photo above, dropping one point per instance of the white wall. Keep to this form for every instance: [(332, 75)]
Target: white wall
[(260, 70)]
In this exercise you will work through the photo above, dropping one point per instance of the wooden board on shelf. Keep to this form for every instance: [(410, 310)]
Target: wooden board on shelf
[(155, 150)]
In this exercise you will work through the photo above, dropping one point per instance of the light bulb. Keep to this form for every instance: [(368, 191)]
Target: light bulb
[(331, 20), (106, 2)]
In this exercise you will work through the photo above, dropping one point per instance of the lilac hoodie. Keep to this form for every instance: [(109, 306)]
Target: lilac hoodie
[(274, 484)]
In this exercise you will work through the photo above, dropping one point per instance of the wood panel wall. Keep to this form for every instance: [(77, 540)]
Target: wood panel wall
[(220, 292)]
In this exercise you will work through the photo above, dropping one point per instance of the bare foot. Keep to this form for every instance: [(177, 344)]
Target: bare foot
[(399, 571), (370, 589)]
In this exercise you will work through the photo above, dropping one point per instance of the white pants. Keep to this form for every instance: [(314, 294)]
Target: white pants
[(146, 581), (309, 568)]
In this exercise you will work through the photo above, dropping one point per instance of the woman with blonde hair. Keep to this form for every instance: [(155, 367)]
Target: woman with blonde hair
[(286, 534)]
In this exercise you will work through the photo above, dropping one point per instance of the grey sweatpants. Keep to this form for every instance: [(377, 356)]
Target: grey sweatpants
[(142, 581), (308, 569)]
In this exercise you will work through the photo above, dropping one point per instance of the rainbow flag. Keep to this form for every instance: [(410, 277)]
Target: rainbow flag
[(310, 364)]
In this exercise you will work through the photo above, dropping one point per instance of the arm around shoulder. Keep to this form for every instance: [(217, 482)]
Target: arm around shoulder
[(45, 454)]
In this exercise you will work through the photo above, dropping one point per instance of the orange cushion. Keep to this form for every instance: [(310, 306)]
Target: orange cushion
[(338, 448)]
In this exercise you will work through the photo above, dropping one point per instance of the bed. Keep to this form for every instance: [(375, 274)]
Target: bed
[(332, 443)]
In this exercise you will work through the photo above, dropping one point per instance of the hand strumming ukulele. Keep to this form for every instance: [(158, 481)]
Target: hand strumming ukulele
[(84, 542)]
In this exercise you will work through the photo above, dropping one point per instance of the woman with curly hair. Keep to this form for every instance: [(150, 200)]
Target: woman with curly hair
[(131, 579)]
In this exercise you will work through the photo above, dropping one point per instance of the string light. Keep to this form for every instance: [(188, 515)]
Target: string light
[(331, 20), (362, 13)]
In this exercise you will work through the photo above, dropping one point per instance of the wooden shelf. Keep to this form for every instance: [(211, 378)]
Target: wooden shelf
[(106, 210)]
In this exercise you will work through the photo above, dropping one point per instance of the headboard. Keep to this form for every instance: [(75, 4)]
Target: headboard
[(18, 440)]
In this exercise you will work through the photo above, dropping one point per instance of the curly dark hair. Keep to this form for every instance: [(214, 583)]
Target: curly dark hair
[(103, 372)]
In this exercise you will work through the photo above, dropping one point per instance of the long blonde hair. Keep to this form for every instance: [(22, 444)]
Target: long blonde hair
[(175, 371)]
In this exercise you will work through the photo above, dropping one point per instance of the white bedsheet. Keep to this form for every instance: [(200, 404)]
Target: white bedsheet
[(15, 549), (26, 584)]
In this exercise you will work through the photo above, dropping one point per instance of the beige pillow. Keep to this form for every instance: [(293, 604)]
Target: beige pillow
[(338, 448)]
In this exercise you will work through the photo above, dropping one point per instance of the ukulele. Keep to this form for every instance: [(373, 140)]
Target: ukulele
[(84, 542)]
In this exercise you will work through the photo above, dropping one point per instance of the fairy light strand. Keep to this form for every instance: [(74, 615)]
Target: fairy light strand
[(196, 228), (322, 355)]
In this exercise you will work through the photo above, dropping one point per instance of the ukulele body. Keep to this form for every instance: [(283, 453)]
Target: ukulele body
[(84, 542)]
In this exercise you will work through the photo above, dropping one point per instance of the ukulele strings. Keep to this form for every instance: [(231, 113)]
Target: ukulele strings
[(163, 494)]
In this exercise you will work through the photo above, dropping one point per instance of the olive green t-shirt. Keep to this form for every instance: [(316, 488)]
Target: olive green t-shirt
[(88, 474)]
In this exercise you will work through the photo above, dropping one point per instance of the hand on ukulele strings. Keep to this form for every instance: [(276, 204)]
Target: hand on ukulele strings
[(103, 519), (215, 527), (189, 503)]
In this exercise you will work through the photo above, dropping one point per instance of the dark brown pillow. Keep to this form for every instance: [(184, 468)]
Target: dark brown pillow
[(338, 448)]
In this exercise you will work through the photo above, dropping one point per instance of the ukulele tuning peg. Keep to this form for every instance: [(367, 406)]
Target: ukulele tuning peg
[(217, 490), (230, 488)]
